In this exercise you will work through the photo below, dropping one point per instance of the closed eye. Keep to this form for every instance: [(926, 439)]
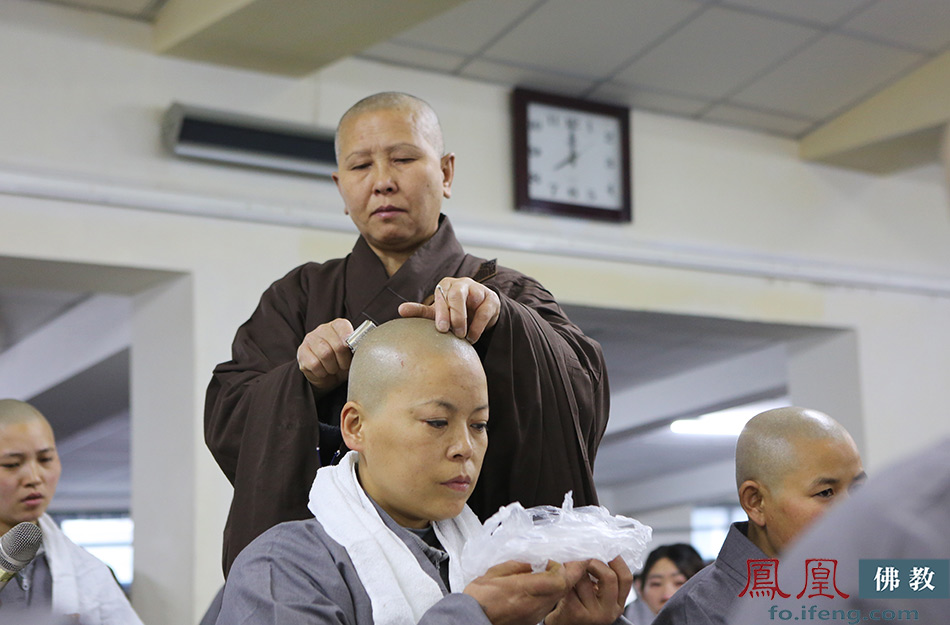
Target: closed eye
[(437, 423), (481, 426)]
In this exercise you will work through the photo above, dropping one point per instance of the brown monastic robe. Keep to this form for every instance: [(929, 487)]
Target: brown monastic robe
[(270, 430)]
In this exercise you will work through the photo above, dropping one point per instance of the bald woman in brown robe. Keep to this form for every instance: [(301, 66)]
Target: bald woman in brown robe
[(272, 412)]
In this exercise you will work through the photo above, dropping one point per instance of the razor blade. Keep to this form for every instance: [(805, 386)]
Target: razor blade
[(364, 328)]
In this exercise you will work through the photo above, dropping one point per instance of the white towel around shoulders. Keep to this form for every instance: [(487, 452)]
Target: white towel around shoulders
[(400, 590)]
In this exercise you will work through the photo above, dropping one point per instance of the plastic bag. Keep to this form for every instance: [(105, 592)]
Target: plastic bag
[(536, 535)]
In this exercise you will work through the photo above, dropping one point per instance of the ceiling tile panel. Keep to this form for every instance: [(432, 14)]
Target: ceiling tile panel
[(758, 120), (526, 77), (423, 58), (648, 100), (593, 37), (835, 72), (716, 53), (670, 104), (818, 11), (469, 27), (915, 23)]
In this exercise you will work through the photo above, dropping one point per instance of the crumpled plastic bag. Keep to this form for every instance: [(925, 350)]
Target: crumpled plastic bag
[(536, 535)]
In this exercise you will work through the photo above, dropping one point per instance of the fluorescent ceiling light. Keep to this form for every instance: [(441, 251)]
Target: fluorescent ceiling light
[(728, 422)]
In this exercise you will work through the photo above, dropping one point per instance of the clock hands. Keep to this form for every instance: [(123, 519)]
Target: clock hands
[(570, 160), (572, 156)]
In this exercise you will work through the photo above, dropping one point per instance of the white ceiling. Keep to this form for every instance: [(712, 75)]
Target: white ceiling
[(24, 310), (780, 66)]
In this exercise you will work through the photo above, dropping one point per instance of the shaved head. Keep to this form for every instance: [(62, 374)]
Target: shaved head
[(14, 411), (29, 465), (415, 108), (388, 356), (792, 464), (417, 415), (771, 442)]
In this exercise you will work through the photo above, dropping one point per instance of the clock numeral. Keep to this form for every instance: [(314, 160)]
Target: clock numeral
[(571, 123), (611, 190), (534, 179), (572, 192), (591, 195), (534, 124), (534, 151), (611, 163), (610, 136), (590, 125), (553, 189), (553, 120)]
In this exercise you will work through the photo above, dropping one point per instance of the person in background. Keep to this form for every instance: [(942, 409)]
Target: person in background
[(63, 580), (391, 519), (792, 464), (902, 516), (272, 412), (665, 570)]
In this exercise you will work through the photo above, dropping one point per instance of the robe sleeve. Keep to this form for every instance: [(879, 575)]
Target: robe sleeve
[(455, 609), (549, 400), (260, 408), (286, 578)]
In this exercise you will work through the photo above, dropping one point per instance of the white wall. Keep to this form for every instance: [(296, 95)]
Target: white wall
[(721, 217)]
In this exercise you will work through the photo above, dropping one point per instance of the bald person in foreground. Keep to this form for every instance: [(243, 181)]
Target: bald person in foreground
[(272, 411), (391, 518), (791, 464)]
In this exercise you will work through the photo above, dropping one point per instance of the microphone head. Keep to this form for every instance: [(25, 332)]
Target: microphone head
[(19, 546)]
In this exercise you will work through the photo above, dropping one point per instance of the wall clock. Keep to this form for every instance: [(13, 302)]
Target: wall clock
[(572, 156)]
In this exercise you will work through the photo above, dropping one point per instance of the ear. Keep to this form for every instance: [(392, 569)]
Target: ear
[(752, 498), (448, 174), (638, 584), (336, 180), (351, 425)]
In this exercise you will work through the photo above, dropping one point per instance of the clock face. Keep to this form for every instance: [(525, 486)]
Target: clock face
[(574, 157)]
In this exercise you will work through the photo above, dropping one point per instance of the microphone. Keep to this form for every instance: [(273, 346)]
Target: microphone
[(17, 548)]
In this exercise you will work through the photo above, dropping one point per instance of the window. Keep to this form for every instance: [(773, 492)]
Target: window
[(107, 538), (709, 526)]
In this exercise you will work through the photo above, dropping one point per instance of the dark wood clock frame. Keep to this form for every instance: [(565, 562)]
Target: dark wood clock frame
[(520, 99)]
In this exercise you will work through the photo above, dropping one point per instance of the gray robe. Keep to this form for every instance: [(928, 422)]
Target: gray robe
[(30, 589), (639, 613), (296, 574), (708, 596)]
